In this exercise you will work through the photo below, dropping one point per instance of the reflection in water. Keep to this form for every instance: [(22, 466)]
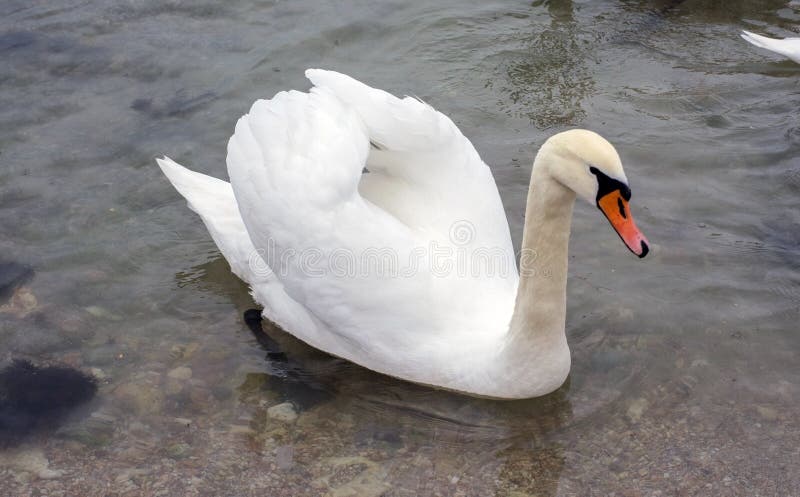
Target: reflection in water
[(709, 10), (419, 408), (472, 437), (215, 276), (649, 16), (492, 448), (301, 382), (548, 78), (496, 448)]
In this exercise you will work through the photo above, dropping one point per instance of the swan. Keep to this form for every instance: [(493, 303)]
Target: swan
[(368, 226), (788, 47)]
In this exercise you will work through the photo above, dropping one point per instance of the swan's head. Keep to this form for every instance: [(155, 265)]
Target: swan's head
[(588, 164)]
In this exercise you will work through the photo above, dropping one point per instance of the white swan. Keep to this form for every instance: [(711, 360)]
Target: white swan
[(405, 267), (788, 47)]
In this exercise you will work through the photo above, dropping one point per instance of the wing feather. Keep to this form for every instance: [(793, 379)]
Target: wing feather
[(426, 172), (298, 197)]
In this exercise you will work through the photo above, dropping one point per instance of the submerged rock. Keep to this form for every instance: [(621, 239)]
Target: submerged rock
[(180, 373), (96, 431), (140, 395), (22, 303), (352, 477), (283, 412), (767, 412), (34, 397), (636, 408), (102, 313), (30, 460), (13, 275), (178, 450)]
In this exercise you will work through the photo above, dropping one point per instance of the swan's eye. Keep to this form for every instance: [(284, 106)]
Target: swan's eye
[(606, 184)]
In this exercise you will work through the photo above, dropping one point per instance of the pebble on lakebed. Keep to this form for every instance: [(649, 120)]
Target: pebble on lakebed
[(180, 373), (30, 460), (143, 393), (283, 412), (22, 303)]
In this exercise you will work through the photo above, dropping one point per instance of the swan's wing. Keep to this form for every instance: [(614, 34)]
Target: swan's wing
[(422, 169), (295, 162), (789, 47), (212, 199)]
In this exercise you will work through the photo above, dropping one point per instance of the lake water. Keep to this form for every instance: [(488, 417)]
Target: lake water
[(685, 376)]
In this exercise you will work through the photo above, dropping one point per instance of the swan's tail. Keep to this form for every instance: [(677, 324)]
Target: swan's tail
[(198, 189), (212, 199), (788, 48)]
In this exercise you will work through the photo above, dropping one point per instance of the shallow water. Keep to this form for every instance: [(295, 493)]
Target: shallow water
[(685, 377)]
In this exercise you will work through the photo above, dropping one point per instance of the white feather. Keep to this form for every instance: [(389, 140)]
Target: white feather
[(295, 163), (788, 47), (212, 199), (304, 226)]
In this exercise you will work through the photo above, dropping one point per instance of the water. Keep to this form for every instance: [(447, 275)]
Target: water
[(684, 379)]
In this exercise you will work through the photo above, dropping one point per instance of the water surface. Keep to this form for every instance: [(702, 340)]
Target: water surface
[(685, 377)]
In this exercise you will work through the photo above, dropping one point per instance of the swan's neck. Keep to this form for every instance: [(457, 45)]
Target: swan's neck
[(536, 343)]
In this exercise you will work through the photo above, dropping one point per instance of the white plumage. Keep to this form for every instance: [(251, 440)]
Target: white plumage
[(788, 47), (346, 258)]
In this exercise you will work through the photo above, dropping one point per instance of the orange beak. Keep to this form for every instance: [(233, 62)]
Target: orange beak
[(618, 213)]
